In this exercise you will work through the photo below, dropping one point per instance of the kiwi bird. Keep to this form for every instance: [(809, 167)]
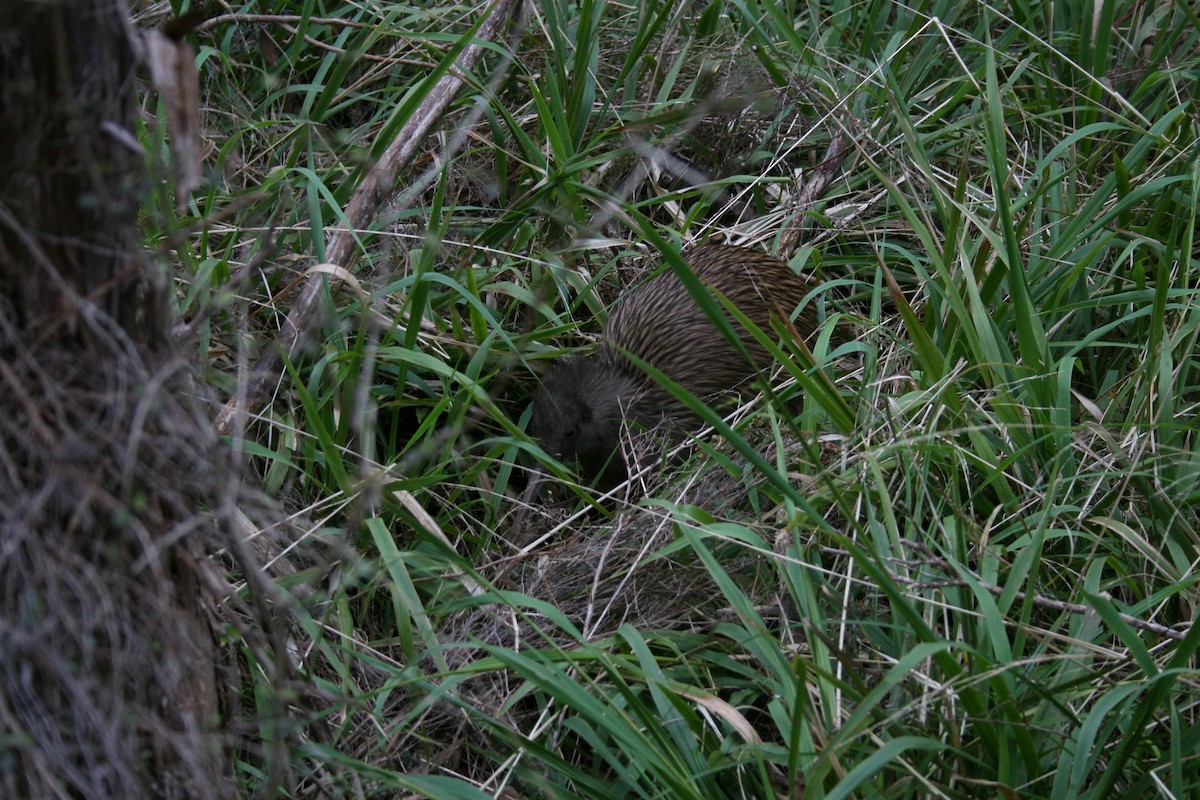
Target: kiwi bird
[(583, 402)]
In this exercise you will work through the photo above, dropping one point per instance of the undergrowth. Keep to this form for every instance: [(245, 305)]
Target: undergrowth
[(959, 565)]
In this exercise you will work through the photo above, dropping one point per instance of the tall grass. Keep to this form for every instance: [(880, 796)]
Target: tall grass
[(961, 565)]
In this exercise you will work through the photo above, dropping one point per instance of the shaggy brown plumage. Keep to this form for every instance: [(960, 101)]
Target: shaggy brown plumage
[(582, 402)]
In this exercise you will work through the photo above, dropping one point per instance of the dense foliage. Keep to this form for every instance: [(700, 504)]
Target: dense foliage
[(960, 564)]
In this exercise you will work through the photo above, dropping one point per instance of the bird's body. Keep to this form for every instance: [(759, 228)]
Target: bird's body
[(583, 402)]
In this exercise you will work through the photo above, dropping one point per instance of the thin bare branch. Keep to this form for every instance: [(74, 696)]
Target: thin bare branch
[(374, 191)]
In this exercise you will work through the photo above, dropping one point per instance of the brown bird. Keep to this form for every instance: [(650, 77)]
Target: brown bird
[(583, 402)]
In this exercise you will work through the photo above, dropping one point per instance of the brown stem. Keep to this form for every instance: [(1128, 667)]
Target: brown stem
[(375, 189)]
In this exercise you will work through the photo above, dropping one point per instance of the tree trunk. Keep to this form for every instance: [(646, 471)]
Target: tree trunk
[(108, 684)]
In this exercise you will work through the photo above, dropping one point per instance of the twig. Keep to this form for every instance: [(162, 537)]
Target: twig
[(813, 190), (1036, 599), (375, 189)]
